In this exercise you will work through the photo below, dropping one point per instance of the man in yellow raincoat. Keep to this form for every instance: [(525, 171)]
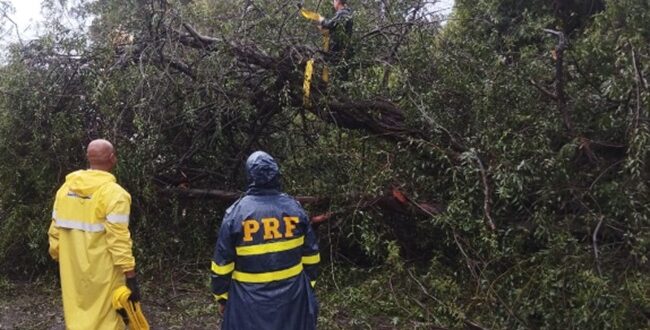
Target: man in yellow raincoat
[(89, 237)]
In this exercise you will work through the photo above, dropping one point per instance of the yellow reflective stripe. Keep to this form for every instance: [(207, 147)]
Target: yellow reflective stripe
[(221, 296), (311, 260), (252, 250), (277, 275), (313, 284), (222, 270)]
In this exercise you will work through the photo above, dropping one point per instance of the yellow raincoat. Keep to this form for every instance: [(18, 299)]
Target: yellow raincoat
[(89, 236)]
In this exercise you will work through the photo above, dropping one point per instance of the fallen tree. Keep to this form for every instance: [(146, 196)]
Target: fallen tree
[(394, 200)]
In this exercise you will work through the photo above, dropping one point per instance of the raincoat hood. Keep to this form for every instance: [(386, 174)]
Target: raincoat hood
[(262, 171), (86, 182)]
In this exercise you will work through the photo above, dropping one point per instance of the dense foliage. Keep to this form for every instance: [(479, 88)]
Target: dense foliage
[(489, 172)]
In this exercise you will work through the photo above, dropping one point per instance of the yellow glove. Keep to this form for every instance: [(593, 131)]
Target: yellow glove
[(311, 15), (133, 309)]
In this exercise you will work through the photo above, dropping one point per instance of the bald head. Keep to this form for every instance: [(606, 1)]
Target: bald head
[(101, 155)]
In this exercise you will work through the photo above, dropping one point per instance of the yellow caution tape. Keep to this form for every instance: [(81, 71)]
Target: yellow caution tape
[(326, 40), (309, 67), (133, 309), (326, 74), (326, 47), (306, 84), (310, 15)]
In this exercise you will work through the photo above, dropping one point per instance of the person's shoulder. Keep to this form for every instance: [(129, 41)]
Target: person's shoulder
[(74, 173), (234, 207), (63, 188), (72, 176), (114, 188), (295, 207), (291, 200), (346, 12)]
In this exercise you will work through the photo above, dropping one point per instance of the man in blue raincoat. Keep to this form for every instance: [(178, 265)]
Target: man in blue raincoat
[(266, 257)]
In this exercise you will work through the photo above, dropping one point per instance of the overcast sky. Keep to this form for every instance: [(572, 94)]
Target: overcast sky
[(28, 15), (445, 4)]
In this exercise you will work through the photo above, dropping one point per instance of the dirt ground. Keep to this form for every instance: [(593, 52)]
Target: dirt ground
[(178, 303), (38, 306)]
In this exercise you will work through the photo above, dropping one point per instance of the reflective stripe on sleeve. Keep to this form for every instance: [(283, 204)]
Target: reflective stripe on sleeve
[(222, 270), (80, 225), (277, 275), (311, 260), (313, 284), (221, 296), (251, 250), (118, 218)]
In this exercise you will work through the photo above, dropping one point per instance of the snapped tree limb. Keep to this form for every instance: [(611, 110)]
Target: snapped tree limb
[(390, 201), (380, 117)]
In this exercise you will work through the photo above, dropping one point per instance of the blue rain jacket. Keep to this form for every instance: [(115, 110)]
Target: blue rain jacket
[(266, 258)]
